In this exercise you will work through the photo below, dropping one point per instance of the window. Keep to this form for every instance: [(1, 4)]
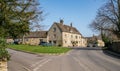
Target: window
[(76, 37), (50, 41), (79, 36), (71, 31), (41, 40), (71, 36), (54, 35), (54, 29), (54, 42), (65, 35), (65, 41), (26, 39)]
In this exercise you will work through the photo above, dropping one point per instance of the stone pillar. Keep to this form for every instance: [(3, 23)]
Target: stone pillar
[(3, 66)]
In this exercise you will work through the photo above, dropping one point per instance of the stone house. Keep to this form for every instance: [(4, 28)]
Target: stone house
[(95, 40), (34, 38), (59, 34), (66, 36), (100, 43), (9, 40)]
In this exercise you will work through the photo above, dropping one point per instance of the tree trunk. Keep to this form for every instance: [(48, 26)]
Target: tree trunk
[(23, 39)]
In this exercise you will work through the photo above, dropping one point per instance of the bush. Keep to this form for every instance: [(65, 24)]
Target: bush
[(4, 55)]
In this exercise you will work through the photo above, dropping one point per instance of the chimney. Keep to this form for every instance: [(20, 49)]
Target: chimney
[(71, 24), (61, 21)]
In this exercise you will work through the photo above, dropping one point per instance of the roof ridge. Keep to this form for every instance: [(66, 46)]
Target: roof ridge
[(67, 28), (34, 34)]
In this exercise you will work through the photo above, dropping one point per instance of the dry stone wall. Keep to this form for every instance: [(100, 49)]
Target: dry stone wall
[(3, 66)]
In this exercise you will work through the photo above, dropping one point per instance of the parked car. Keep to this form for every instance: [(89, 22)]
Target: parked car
[(94, 45), (16, 41), (45, 44), (89, 45)]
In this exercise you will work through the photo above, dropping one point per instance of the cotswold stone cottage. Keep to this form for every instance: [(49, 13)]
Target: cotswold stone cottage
[(33, 38), (95, 41), (59, 34), (64, 35)]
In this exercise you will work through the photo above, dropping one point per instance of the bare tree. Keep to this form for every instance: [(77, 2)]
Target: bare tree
[(108, 18)]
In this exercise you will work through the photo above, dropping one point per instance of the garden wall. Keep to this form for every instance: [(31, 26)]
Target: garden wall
[(115, 46), (3, 66)]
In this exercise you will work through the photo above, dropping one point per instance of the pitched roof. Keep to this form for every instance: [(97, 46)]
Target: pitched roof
[(66, 28), (37, 34), (94, 37)]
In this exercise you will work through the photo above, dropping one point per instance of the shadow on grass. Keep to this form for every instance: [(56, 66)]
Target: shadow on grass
[(112, 54)]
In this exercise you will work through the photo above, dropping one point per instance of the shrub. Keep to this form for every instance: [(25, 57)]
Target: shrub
[(4, 55)]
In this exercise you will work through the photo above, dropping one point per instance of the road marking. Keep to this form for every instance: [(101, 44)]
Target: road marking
[(37, 63), (26, 68), (40, 65)]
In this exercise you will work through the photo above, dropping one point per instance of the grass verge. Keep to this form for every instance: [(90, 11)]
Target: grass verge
[(104, 48), (40, 49)]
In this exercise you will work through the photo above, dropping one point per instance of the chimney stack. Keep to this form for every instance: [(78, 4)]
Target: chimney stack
[(71, 24), (61, 21)]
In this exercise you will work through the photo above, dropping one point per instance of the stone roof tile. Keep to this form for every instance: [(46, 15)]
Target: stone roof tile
[(66, 28), (37, 34)]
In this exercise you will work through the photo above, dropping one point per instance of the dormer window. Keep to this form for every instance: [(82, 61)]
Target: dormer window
[(65, 35), (71, 31)]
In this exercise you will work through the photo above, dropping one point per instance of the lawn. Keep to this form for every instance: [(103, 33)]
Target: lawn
[(40, 49)]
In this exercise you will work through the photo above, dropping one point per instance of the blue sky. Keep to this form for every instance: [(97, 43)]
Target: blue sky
[(79, 12)]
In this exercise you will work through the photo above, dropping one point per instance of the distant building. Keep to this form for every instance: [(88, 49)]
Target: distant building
[(95, 41)]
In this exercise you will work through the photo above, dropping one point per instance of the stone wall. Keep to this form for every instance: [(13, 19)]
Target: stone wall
[(9, 40), (3, 66), (34, 41), (115, 46)]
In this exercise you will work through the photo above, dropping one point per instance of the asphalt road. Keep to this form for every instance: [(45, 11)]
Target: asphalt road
[(79, 59)]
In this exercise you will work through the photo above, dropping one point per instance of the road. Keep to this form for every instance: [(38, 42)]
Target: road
[(78, 59)]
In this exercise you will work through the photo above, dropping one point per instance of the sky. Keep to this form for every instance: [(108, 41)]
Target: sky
[(78, 12)]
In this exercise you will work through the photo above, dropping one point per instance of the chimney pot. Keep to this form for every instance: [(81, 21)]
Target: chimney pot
[(71, 24), (61, 21)]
